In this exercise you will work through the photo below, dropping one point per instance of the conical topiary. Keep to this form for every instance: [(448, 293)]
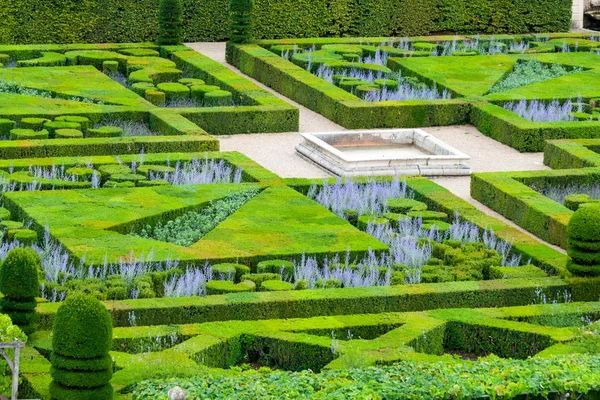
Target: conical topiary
[(170, 22), (583, 234), (19, 283), (240, 15), (81, 340)]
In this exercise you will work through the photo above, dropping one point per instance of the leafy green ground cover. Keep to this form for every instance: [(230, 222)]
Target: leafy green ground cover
[(191, 226), (418, 381)]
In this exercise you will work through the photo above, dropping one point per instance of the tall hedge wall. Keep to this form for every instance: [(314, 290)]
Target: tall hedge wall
[(97, 21)]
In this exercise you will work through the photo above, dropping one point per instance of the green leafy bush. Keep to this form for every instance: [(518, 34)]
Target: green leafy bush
[(170, 22), (81, 339), (283, 267), (19, 283), (574, 374)]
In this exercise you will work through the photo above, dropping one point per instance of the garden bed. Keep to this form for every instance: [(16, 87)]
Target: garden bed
[(416, 82), (60, 97)]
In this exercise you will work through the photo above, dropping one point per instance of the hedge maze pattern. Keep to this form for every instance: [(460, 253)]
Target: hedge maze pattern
[(456, 79), (107, 147)]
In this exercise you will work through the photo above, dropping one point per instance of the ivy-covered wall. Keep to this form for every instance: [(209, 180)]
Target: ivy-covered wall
[(97, 21)]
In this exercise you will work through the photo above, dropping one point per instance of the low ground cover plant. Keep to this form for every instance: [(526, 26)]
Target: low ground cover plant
[(530, 72), (191, 226), (494, 377)]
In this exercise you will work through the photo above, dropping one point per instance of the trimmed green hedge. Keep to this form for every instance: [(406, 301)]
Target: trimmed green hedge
[(70, 21), (337, 104), (509, 194), (259, 110), (523, 135), (307, 303), (438, 198), (15, 149), (571, 154)]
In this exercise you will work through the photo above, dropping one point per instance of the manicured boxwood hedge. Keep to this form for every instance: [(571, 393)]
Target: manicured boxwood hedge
[(97, 21), (510, 194), (259, 110), (468, 79), (523, 135), (300, 343), (571, 154), (306, 303), (337, 104)]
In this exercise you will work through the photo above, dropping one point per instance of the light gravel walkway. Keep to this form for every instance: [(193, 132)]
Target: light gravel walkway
[(276, 151)]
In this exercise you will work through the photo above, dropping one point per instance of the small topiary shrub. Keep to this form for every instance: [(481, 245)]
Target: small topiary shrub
[(24, 236), (276, 285), (283, 267), (83, 121), (170, 22), (366, 220), (574, 201), (583, 232), (19, 283), (68, 134), (4, 214), (141, 87), (33, 123), (110, 67), (403, 206), (218, 98), (6, 125), (199, 91), (81, 340), (174, 91), (27, 134), (258, 279), (240, 14), (223, 287), (238, 270), (105, 131), (53, 126), (7, 225), (155, 97)]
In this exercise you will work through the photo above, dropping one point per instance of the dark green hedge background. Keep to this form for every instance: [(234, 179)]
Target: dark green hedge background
[(96, 21)]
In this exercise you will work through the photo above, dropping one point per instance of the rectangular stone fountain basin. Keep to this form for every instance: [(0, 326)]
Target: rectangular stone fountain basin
[(383, 152)]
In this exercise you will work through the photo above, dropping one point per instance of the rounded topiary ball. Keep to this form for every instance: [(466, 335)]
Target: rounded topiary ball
[(19, 279), (585, 224), (82, 328), (583, 233)]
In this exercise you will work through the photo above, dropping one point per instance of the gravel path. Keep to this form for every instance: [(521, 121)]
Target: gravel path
[(276, 151)]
